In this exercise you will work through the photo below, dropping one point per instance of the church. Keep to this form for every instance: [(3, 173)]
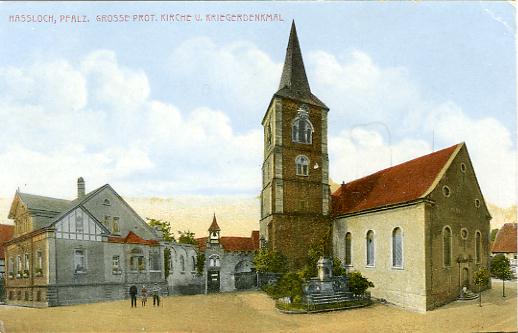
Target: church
[(418, 230)]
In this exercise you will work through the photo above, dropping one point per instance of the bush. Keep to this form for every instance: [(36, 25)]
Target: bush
[(290, 285), (358, 284), (268, 261)]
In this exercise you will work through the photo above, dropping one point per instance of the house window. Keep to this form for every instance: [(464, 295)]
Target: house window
[(116, 264), (269, 134), (106, 202), (182, 263), (137, 260), (464, 233), (116, 228), (26, 262), (214, 261), (11, 266), (348, 248), (478, 245), (154, 261), (397, 248), (79, 223), (193, 264), (370, 248), (79, 261), (477, 203), (38, 296), (107, 221), (463, 167), (446, 246), (302, 165), (19, 267)]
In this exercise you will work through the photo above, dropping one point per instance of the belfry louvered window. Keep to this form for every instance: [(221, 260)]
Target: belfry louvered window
[(370, 248), (397, 248)]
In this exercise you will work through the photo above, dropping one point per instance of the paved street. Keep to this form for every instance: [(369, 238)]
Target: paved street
[(254, 312)]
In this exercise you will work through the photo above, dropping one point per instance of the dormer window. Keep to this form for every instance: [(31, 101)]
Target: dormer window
[(301, 127)]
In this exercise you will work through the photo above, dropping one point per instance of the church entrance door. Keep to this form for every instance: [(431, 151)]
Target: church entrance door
[(213, 281)]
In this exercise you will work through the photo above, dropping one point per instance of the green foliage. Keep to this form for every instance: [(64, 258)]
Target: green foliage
[(187, 237), (481, 279), (493, 234), (268, 261), (167, 261), (501, 267), (315, 251), (338, 270), (163, 226), (358, 284), (200, 262), (289, 285)]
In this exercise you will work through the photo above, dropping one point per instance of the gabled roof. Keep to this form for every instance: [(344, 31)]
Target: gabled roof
[(234, 244), (132, 238), (294, 82), (402, 183), (505, 241), (41, 205)]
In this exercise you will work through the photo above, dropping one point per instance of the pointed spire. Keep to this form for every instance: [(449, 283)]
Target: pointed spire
[(214, 226), (294, 82), (294, 74)]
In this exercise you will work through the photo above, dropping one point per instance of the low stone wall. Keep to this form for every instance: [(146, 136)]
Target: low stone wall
[(264, 279)]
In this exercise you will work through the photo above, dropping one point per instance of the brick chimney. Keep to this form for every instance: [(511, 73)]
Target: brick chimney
[(80, 188)]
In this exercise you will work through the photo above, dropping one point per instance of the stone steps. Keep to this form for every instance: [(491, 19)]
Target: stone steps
[(328, 299)]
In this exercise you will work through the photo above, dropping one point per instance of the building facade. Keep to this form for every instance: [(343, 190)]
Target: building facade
[(505, 243), (418, 230), (228, 260), (85, 250)]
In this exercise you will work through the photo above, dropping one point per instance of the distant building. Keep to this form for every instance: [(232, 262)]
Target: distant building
[(505, 243), (418, 230), (89, 249), (228, 260), (6, 233)]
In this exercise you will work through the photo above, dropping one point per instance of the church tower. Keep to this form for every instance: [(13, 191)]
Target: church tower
[(295, 196)]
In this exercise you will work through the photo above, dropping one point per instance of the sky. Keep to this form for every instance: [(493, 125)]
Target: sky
[(166, 108)]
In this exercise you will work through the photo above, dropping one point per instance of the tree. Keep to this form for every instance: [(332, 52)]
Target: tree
[(358, 284), (493, 234), (200, 262), (338, 270), (167, 261), (187, 237), (481, 279), (268, 261), (163, 226), (501, 269)]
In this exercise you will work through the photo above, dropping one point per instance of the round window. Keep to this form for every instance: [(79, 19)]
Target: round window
[(446, 191), (464, 233), (477, 203), (463, 167)]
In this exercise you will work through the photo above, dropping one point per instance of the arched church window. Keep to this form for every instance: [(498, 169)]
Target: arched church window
[(446, 246), (370, 248), (397, 248), (301, 127), (348, 247), (302, 165), (478, 245)]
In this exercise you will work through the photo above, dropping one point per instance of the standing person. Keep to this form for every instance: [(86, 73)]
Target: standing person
[(156, 294), (133, 295), (143, 294)]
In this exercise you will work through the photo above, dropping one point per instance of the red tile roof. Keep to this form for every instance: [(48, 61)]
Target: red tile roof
[(132, 238), (234, 244), (6, 233), (398, 184), (505, 241)]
